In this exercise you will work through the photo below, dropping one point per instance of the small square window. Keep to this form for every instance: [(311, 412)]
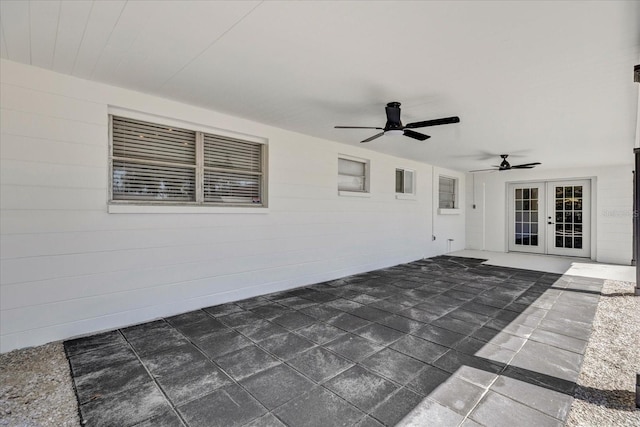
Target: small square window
[(405, 181), (353, 175), (448, 191)]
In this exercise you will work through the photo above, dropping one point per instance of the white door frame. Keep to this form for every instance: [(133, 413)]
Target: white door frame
[(589, 248)]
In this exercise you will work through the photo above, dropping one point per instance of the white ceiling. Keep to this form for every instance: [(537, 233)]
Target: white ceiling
[(546, 81)]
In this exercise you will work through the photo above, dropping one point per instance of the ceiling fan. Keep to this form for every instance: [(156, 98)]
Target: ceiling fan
[(505, 165), (395, 127)]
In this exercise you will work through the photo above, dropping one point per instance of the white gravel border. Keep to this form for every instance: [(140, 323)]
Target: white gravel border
[(36, 388), (606, 385)]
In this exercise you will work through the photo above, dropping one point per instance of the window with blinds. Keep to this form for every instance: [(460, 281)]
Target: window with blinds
[(447, 192), (159, 163), (404, 181), (352, 175)]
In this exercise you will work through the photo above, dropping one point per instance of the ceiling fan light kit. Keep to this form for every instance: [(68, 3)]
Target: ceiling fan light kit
[(394, 126)]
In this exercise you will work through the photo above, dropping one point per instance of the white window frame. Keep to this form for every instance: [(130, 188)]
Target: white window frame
[(455, 207), (405, 195), (199, 205), (366, 192)]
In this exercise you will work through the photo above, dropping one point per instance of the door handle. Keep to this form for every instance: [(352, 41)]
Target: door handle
[(550, 223)]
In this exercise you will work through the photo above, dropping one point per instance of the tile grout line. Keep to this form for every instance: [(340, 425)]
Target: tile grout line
[(153, 378)]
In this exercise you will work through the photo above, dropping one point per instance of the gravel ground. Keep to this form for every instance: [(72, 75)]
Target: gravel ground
[(606, 386), (36, 388)]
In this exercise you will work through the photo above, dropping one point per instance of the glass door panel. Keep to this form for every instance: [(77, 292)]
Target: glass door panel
[(568, 225), (526, 212)]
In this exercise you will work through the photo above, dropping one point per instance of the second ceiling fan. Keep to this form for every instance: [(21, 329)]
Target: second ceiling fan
[(505, 165), (395, 126)]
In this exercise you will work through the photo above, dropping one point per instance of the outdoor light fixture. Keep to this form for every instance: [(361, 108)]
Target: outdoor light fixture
[(636, 73), (394, 132)]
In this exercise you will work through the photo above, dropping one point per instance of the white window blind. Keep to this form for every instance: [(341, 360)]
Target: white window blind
[(352, 175), (447, 193), (152, 162), (158, 163), (232, 170)]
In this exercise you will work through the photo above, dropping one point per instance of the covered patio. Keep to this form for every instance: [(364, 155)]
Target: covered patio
[(443, 341)]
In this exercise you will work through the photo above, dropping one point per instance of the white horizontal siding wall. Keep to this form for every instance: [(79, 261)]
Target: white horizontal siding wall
[(68, 267), (612, 192)]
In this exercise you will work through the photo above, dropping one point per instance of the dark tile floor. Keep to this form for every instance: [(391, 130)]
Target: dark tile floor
[(444, 341)]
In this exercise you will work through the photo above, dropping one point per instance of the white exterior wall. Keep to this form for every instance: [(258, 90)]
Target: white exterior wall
[(68, 267), (612, 202)]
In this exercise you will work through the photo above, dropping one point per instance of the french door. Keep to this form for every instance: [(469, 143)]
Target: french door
[(550, 217)]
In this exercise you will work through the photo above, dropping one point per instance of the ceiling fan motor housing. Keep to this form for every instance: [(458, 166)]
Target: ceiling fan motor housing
[(504, 165), (393, 117)]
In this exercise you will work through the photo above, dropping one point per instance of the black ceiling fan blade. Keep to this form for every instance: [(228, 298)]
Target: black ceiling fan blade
[(371, 138), (356, 127), (435, 122), (524, 165), (484, 170), (416, 135)]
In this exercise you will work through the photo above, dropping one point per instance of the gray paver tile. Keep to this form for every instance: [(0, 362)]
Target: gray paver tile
[(189, 384), (379, 334), (319, 364), (229, 406), (174, 360), (353, 347), (126, 408), (93, 342), (548, 360), (294, 320), (277, 385), (348, 322), (396, 407), (166, 419), (246, 362), (267, 420), (428, 380), (418, 348), (286, 346), (550, 402), (439, 335), (261, 330), (499, 411), (318, 408), (457, 394), (360, 387), (111, 379), (430, 413), (101, 358), (320, 333), (221, 343), (394, 365)]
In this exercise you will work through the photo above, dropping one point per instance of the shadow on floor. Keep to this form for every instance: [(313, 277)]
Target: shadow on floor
[(444, 340)]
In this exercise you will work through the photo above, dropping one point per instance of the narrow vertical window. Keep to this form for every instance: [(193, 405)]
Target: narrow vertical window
[(447, 192), (405, 181)]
